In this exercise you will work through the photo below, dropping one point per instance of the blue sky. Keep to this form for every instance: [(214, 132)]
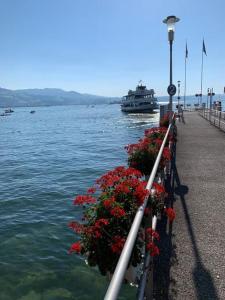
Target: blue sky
[(105, 47)]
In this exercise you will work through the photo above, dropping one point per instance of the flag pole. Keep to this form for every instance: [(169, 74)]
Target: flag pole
[(185, 78), (201, 74)]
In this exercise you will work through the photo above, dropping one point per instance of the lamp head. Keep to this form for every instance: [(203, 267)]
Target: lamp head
[(170, 21)]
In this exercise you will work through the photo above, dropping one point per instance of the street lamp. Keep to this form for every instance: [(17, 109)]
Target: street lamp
[(210, 94), (170, 21), (178, 97), (208, 91)]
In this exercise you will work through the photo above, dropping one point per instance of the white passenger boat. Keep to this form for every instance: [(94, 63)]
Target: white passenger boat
[(141, 100)]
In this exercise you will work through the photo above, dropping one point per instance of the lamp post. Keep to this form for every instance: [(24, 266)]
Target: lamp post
[(178, 97), (210, 94), (208, 91), (170, 21)]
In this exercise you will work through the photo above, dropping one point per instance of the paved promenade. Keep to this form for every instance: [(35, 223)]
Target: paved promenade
[(197, 256)]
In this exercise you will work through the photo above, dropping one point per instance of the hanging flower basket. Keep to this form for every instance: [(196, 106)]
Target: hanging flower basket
[(142, 155), (108, 217)]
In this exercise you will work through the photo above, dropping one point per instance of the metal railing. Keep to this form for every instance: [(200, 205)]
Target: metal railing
[(215, 117), (119, 273)]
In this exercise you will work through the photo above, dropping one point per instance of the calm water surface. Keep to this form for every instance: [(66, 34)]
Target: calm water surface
[(46, 159)]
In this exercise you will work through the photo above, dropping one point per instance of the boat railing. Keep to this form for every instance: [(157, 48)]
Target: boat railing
[(215, 117), (119, 273)]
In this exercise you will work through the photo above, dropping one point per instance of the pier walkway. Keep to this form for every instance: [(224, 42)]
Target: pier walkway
[(197, 257)]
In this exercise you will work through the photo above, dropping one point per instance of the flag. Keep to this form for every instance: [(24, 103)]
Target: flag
[(203, 48), (186, 52)]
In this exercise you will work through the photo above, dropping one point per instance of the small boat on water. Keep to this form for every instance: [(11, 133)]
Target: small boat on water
[(9, 111), (141, 100), (32, 111)]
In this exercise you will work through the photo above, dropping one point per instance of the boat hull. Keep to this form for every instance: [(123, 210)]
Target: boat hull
[(143, 109)]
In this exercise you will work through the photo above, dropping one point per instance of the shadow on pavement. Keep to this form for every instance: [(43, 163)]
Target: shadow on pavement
[(204, 283)]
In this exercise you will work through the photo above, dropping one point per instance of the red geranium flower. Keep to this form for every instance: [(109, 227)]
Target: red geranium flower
[(117, 212), (76, 247), (140, 193), (132, 172), (166, 153), (107, 203), (86, 199), (170, 213), (152, 233), (77, 227), (153, 249), (118, 243), (158, 142), (101, 222), (91, 190), (122, 188), (158, 187)]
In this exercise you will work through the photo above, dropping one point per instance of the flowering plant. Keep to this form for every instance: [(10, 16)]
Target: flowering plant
[(108, 217), (157, 199), (156, 133), (142, 155), (170, 212), (150, 235)]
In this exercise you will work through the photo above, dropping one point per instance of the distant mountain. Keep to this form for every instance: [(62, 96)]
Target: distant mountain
[(51, 96), (48, 96)]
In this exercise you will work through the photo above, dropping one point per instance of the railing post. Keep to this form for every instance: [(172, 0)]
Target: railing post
[(211, 92), (219, 118)]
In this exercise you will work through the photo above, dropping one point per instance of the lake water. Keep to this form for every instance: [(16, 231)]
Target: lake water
[(46, 159)]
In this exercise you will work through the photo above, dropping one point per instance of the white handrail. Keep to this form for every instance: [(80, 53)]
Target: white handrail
[(118, 276)]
